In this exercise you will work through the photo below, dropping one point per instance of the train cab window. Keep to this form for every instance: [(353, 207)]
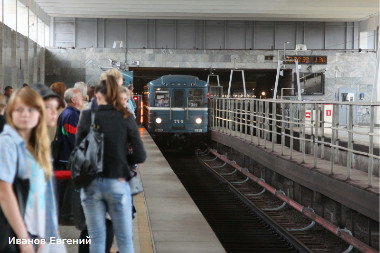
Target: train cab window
[(195, 98), (161, 98)]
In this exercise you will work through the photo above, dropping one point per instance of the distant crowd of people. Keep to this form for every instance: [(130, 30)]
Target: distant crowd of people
[(35, 117)]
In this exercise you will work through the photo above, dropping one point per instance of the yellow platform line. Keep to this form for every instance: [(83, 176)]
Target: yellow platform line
[(145, 236)]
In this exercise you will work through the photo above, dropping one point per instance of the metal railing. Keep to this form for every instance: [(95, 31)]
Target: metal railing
[(326, 130)]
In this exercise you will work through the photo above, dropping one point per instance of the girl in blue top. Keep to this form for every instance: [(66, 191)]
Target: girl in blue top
[(25, 146)]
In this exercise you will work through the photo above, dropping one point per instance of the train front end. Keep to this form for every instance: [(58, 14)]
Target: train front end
[(176, 104)]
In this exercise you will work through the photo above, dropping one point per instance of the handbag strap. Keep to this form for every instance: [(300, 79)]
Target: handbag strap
[(93, 125), (17, 165)]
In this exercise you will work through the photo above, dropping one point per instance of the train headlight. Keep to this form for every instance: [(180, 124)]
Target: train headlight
[(198, 121), (158, 120)]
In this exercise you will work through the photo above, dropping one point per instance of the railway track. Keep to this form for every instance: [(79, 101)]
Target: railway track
[(237, 227), (271, 205)]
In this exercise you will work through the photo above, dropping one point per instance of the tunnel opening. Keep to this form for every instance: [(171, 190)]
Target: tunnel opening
[(259, 82)]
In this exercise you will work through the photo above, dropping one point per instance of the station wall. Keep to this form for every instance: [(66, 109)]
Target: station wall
[(343, 69), (21, 59), (207, 34)]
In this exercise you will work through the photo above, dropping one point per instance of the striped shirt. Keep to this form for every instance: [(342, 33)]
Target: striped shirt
[(67, 127)]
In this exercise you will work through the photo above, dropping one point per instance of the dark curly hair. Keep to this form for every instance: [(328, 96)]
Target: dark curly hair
[(59, 88)]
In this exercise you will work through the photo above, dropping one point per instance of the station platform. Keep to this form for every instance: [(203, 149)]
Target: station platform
[(167, 220)]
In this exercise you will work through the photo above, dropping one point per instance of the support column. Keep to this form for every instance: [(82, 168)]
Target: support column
[(1, 57), (376, 98), (42, 64), (35, 63), (14, 59), (26, 61)]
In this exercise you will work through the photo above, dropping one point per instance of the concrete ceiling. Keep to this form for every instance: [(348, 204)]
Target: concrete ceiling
[(274, 10)]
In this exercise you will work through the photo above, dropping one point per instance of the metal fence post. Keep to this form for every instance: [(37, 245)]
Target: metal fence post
[(252, 108), (225, 122), (260, 122), (212, 111), (230, 116), (334, 135), (291, 129), (323, 132), (234, 114), (218, 114), (315, 137), (257, 120), (266, 131), (245, 118), (282, 127), (274, 124), (350, 144), (370, 151), (303, 123), (241, 118)]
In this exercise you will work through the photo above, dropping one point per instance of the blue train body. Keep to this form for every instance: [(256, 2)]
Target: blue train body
[(128, 77), (176, 104)]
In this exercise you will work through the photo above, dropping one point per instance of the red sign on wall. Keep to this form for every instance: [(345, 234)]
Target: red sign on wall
[(328, 112), (307, 114)]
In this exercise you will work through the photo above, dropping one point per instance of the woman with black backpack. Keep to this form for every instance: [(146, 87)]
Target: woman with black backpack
[(110, 192)]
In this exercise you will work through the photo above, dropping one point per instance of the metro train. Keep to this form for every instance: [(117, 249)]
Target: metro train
[(176, 105), (127, 77)]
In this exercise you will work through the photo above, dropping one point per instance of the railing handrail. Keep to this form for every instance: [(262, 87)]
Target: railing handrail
[(267, 119), (359, 103)]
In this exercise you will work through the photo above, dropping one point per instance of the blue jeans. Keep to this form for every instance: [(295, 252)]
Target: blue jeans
[(108, 194)]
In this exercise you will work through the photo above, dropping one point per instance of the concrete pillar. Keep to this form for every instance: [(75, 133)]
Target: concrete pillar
[(35, 63), (26, 61), (14, 59), (377, 98), (1, 58), (42, 64)]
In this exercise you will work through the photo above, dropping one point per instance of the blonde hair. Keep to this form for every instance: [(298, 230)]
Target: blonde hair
[(38, 143), (111, 72)]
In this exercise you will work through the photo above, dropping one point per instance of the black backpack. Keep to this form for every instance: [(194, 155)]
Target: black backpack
[(86, 160)]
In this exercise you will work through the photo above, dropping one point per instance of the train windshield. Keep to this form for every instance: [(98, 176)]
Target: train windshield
[(179, 98), (195, 98), (161, 98)]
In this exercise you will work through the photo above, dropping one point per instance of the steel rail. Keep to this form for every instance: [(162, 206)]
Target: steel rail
[(341, 233)]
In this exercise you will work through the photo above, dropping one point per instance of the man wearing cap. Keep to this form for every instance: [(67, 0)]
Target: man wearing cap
[(51, 100)]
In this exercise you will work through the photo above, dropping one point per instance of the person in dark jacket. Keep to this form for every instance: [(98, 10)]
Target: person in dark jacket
[(66, 130), (110, 191)]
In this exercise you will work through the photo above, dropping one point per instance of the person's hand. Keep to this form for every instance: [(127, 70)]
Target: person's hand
[(26, 248), (39, 248)]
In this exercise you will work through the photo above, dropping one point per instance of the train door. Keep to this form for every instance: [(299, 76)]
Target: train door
[(178, 109)]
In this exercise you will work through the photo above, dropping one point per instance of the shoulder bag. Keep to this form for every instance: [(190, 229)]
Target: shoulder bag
[(21, 190), (86, 160), (135, 183)]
